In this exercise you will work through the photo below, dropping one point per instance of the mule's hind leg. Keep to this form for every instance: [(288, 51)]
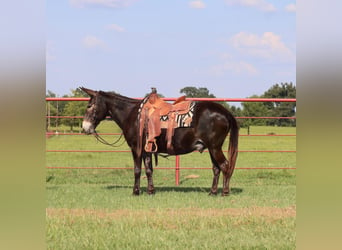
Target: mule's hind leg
[(226, 178), (149, 172), (216, 173), (221, 163)]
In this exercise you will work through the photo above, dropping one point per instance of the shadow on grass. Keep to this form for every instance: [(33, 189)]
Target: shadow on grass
[(233, 191)]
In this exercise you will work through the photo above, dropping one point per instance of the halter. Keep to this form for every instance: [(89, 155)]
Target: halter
[(97, 136)]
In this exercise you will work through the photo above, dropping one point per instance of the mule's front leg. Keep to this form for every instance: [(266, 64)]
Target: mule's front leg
[(137, 174), (149, 173)]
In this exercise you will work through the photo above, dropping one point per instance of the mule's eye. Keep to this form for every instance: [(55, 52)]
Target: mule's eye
[(89, 106)]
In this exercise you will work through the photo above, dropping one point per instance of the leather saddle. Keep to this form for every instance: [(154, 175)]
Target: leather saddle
[(156, 114)]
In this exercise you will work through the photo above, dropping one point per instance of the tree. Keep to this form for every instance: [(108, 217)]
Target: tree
[(281, 109), (200, 92), (74, 108), (51, 110), (196, 92), (253, 109), (236, 111)]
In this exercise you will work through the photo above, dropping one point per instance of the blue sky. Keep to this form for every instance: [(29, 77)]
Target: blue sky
[(235, 48)]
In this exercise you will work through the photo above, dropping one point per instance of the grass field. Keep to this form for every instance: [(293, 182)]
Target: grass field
[(94, 208)]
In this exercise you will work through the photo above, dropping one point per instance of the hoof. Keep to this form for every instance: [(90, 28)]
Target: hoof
[(136, 192), (225, 194), (212, 193), (151, 192)]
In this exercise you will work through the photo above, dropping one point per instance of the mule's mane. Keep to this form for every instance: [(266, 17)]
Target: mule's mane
[(119, 97)]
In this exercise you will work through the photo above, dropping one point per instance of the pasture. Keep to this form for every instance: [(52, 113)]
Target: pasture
[(94, 208)]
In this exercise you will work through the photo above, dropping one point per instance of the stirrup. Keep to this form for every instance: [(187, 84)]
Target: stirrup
[(149, 146)]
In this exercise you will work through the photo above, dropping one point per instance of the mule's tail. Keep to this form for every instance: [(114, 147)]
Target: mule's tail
[(233, 143)]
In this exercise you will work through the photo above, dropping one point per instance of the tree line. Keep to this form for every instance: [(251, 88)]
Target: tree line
[(247, 109)]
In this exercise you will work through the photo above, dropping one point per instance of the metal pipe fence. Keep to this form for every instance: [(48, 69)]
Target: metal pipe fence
[(178, 167)]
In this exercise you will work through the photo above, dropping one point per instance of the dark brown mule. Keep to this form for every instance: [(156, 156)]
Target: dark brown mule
[(210, 126)]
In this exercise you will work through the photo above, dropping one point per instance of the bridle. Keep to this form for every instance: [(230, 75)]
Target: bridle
[(97, 136)]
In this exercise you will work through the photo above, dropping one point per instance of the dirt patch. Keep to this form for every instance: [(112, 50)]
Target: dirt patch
[(269, 212), (192, 176)]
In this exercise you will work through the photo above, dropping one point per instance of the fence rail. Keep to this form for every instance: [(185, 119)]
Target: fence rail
[(190, 99), (177, 168), (237, 117)]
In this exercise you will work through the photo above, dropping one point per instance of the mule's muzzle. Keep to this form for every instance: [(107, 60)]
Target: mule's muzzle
[(87, 128)]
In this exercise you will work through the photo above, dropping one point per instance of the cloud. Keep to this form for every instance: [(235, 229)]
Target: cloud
[(259, 4), (291, 7), (197, 4), (93, 42), (115, 27), (101, 3), (268, 45), (235, 67)]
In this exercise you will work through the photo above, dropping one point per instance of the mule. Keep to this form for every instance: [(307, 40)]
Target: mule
[(210, 125)]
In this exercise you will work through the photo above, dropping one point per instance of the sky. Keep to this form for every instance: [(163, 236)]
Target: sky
[(235, 48)]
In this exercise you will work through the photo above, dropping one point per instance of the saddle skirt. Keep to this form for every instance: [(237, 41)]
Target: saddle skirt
[(155, 114)]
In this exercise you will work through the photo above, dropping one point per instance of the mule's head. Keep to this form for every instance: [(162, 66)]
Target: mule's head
[(96, 111)]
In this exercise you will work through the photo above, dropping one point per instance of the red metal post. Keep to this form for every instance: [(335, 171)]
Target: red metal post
[(177, 169)]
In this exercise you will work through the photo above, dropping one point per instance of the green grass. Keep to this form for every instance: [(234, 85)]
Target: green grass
[(94, 208), (169, 229)]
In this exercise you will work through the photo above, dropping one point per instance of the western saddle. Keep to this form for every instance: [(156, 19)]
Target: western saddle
[(155, 114)]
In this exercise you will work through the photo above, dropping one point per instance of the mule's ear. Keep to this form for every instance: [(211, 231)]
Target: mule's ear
[(88, 91)]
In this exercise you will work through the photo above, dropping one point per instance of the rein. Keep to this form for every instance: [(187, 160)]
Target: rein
[(103, 141)]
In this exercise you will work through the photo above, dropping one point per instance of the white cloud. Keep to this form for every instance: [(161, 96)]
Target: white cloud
[(115, 27), (259, 4), (197, 4), (291, 7), (268, 45), (226, 56), (235, 67), (101, 3), (93, 42)]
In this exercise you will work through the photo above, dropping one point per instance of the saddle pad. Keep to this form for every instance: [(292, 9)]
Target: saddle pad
[(182, 120)]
